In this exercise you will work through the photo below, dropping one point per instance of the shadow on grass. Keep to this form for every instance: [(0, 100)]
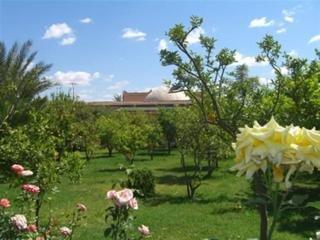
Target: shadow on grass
[(166, 198), (142, 159), (171, 180), (301, 220), (102, 156), (155, 154), (110, 170), (191, 168), (176, 169)]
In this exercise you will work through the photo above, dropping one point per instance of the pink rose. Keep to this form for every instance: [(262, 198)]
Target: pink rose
[(81, 207), (65, 231), (32, 228), (133, 203), (31, 188), (124, 196), (144, 230), (16, 168), (4, 203), (19, 221), (26, 173), (111, 194)]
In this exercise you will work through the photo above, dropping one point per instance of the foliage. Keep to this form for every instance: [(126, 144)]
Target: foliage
[(73, 124), (36, 146), (107, 126), (21, 81), (130, 135), (223, 101), (298, 82), (193, 140), (142, 180), (154, 135), (117, 97), (166, 119)]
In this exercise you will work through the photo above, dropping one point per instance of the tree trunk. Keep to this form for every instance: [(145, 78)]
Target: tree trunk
[(169, 147), (261, 193), (110, 151)]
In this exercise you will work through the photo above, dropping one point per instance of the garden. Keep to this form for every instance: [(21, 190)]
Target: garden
[(241, 162)]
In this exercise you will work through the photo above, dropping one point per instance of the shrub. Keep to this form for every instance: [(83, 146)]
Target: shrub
[(21, 223), (119, 217), (142, 180)]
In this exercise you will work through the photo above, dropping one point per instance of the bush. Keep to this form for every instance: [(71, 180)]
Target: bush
[(142, 180)]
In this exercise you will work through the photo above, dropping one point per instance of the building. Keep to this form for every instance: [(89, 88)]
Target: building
[(147, 101)]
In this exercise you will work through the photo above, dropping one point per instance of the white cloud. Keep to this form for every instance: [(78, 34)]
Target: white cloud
[(30, 66), (263, 80), (68, 40), (293, 53), (283, 70), (57, 30), (118, 85), (134, 34), (248, 60), (71, 77), (289, 19), (261, 22), (281, 30), (86, 20), (194, 36), (60, 31), (109, 78), (162, 45), (315, 38), (96, 75), (288, 15)]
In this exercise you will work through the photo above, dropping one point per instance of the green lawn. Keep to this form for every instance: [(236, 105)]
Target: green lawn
[(218, 211)]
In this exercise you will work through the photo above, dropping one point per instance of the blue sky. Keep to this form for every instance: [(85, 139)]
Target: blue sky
[(108, 46)]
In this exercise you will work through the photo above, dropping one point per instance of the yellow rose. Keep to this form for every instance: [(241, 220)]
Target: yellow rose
[(286, 149)]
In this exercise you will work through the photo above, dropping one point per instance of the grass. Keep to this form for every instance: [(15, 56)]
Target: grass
[(218, 210)]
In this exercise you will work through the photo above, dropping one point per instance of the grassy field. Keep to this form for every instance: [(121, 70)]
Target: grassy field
[(218, 210)]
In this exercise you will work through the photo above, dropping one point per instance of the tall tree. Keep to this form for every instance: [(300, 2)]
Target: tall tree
[(225, 100), (299, 82), (21, 80)]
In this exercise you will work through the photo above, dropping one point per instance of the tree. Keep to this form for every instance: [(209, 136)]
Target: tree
[(299, 92), (154, 135), (130, 135), (117, 98), (225, 102), (107, 127), (21, 81), (36, 146), (75, 123), (194, 141), (166, 119)]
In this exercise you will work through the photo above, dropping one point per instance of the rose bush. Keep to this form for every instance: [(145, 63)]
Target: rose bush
[(119, 216), (22, 225)]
